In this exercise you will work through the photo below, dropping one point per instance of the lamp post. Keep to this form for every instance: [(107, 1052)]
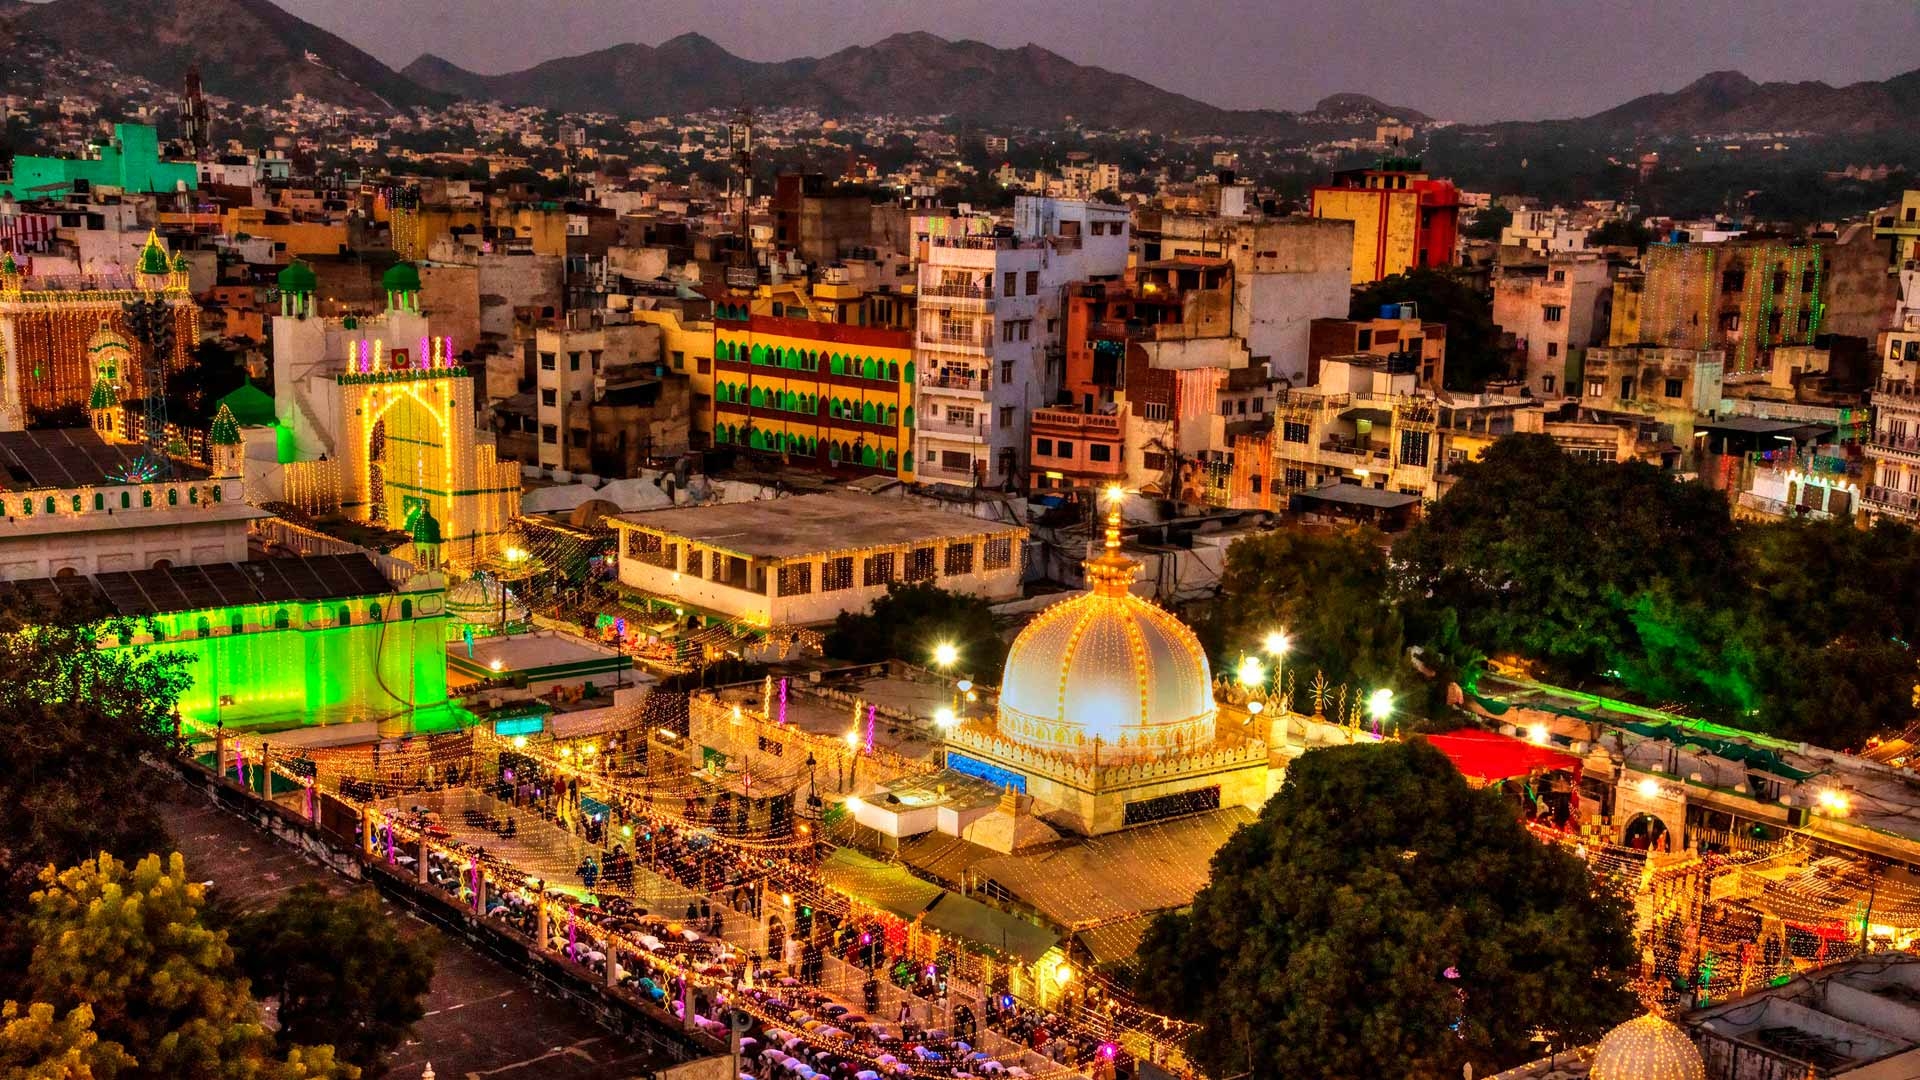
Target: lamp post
[(1380, 706), (1277, 643)]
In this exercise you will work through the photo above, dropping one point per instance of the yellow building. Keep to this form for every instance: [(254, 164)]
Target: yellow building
[(1402, 218), (686, 348), (295, 237), (838, 396)]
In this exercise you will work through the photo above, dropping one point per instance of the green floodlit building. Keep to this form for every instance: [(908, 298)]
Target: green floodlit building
[(286, 643), (129, 161)]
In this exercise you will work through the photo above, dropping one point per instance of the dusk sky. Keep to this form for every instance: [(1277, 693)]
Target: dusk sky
[(1455, 59)]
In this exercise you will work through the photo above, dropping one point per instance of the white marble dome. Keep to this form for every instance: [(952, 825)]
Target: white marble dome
[(1647, 1048), (1111, 667)]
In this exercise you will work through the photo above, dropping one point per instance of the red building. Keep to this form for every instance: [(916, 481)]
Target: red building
[(1402, 218)]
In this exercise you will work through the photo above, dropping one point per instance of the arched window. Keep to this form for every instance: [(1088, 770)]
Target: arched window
[(76, 502), (909, 424), (373, 612), (67, 572), (173, 496), (893, 370), (893, 459), (146, 498), (406, 609), (216, 493), (758, 398), (163, 564), (99, 500), (193, 496), (203, 627), (345, 617), (237, 623), (52, 507), (868, 413), (280, 619), (837, 365), (909, 371), (126, 500)]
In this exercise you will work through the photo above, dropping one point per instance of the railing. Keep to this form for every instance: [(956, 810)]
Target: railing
[(1902, 444), (951, 380), (1895, 388), (1763, 505), (964, 342), (1074, 419), (941, 426), (958, 292), (975, 243), (1891, 501)]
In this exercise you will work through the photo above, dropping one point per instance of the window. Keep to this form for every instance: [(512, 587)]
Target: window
[(920, 564), (1546, 383), (1596, 388), (1559, 276), (1673, 388), (1552, 313), (878, 569), (1100, 452), (573, 361), (696, 562), (1154, 461), (1553, 348), (1260, 406), (1006, 372), (959, 559), (546, 361), (998, 554), (836, 574), (1063, 448), (1006, 417), (1156, 410), (574, 396), (548, 396), (1033, 282), (1294, 478), (1043, 447), (956, 461), (796, 579), (1009, 283), (1293, 431), (679, 360), (1364, 341), (1626, 388), (1414, 447), (549, 434), (960, 415)]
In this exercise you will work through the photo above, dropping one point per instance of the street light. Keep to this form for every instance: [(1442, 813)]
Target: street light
[(945, 654), (1251, 674), (944, 717), (1277, 643), (1380, 703)]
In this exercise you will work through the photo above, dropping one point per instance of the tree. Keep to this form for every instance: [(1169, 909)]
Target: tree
[(342, 974), (76, 720), (911, 619), (132, 944), (1619, 233), (1473, 341), (37, 1045), (1383, 918), (1488, 224), (1327, 591)]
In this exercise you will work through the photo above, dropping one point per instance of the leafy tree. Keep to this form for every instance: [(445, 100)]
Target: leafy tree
[(1473, 353), (133, 944), (1383, 918), (1620, 233), (342, 974), (37, 1045), (1327, 591), (1488, 223), (75, 723), (911, 619)]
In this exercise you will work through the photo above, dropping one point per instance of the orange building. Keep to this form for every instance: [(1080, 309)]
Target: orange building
[(1402, 218)]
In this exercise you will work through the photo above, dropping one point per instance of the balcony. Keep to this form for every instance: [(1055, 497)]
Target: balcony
[(965, 297), (1070, 422), (968, 382), (1353, 455), (971, 429), (1896, 392), (975, 344), (1903, 447), (1884, 500)]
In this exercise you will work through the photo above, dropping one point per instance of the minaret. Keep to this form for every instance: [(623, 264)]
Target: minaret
[(225, 450), (426, 539), (1111, 573), (402, 283), (154, 271), (297, 284), (109, 354)]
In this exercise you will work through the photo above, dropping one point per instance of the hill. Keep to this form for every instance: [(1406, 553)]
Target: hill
[(248, 50), (1727, 101)]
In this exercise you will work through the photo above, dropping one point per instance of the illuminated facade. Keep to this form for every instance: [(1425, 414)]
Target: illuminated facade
[(1743, 296), (391, 406), (1106, 713), (48, 323), (836, 396)]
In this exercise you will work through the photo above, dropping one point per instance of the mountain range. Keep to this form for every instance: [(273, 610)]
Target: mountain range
[(254, 51)]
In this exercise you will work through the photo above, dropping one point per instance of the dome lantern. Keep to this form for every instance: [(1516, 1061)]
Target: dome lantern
[(402, 285), (297, 283), (1647, 1048)]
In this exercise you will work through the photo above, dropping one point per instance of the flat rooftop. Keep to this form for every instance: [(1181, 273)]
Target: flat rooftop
[(199, 588), (68, 457), (811, 524)]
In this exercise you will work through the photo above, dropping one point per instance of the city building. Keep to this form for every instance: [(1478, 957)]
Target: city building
[(1677, 387), (1366, 424), (1402, 218), (804, 560), (1543, 232), (819, 223), (836, 396), (577, 360), (1397, 334), (1554, 309), (129, 161), (1893, 449), (988, 349), (49, 324)]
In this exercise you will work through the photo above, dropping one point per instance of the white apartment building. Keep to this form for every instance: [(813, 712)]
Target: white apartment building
[(1554, 311), (1893, 451), (1543, 232), (988, 349)]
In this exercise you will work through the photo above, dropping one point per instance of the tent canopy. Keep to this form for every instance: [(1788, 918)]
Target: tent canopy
[(1489, 755)]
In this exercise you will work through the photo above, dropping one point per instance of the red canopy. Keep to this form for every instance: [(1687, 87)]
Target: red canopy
[(1489, 755)]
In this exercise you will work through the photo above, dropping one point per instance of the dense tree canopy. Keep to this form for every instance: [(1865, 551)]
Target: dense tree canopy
[(910, 620), (1473, 341), (1382, 918), (341, 972), (1327, 591), (132, 944)]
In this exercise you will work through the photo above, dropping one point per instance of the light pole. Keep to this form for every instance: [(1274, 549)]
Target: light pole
[(1277, 643), (1380, 706)]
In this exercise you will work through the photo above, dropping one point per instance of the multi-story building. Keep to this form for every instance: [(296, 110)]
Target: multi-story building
[(1361, 424), (1402, 218), (1397, 334), (988, 350), (1554, 309), (577, 358), (1893, 450), (1675, 386), (1543, 232), (837, 396)]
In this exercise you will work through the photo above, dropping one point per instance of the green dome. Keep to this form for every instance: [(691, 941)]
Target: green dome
[(249, 406), (298, 277), (425, 527), (225, 431), (153, 257), (181, 264), (103, 396), (401, 277)]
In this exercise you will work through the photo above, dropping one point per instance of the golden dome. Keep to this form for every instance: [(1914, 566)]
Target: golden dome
[(1107, 669), (1647, 1048)]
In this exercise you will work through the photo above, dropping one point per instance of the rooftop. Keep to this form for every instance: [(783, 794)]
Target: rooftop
[(811, 524), (199, 588), (66, 458)]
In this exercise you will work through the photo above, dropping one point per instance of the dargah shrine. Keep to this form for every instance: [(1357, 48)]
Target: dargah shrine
[(1106, 712)]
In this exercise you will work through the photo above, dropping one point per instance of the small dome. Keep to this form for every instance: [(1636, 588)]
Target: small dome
[(225, 430), (107, 339), (250, 405), (424, 527), (180, 263), (1647, 1048), (104, 396), (298, 277), (401, 277), (153, 257), (477, 601)]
